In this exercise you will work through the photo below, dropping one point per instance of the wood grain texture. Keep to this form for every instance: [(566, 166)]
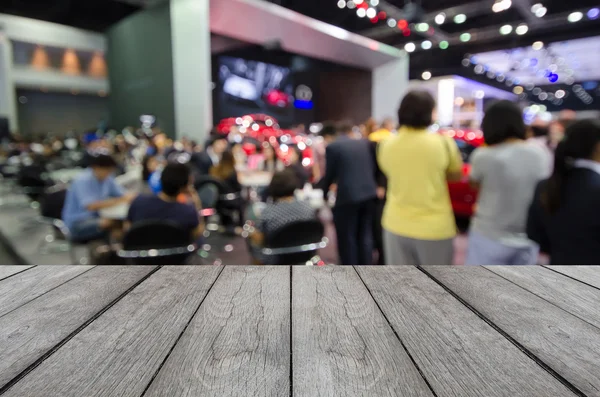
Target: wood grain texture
[(459, 354), (587, 274), (342, 344), (118, 353), (565, 343), (238, 344), (570, 295), (27, 286), (29, 332), (7, 271)]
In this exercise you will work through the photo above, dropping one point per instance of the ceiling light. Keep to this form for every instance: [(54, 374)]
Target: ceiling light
[(465, 37), (536, 7), (410, 47), (391, 23), (506, 29), (460, 18), (441, 18), (541, 12), (479, 69), (357, 2), (444, 44), (351, 4), (538, 45), (374, 3), (575, 17), (426, 75), (422, 27), (593, 13), (522, 29), (500, 78), (501, 5), (560, 94), (361, 12), (518, 90), (371, 13), (543, 96), (465, 62), (479, 94), (342, 3), (426, 45)]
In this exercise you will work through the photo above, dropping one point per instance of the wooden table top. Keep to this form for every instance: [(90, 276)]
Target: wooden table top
[(85, 331)]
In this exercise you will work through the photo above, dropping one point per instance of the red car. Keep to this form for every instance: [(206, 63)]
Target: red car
[(263, 128), (462, 195)]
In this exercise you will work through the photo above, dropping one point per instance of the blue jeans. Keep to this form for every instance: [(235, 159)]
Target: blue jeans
[(87, 230), (486, 251)]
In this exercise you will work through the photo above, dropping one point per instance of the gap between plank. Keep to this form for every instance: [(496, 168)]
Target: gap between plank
[(519, 346), (395, 333), (52, 289), (291, 335), (27, 267), (542, 298), (52, 350), (181, 334), (571, 277)]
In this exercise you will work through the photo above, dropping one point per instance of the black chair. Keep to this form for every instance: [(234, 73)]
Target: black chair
[(157, 243), (297, 243), (32, 182), (216, 198)]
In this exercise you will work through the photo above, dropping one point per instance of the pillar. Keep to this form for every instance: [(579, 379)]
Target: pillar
[(8, 104), (192, 74), (389, 84)]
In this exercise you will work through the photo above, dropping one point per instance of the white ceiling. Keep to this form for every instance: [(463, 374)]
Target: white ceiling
[(579, 59)]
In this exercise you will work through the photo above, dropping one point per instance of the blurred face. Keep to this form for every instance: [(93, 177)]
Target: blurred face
[(101, 173), (294, 158), (153, 164), (220, 146), (269, 153)]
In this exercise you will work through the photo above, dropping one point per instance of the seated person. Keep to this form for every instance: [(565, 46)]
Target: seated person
[(226, 173), (296, 165), (94, 189), (284, 210), (176, 180)]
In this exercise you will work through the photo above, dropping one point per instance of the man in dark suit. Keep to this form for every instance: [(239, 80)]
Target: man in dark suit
[(211, 156), (351, 166)]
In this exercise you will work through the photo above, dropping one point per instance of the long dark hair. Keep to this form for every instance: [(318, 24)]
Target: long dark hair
[(225, 168), (580, 142)]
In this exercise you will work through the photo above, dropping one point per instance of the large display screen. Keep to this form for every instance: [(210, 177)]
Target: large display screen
[(247, 87)]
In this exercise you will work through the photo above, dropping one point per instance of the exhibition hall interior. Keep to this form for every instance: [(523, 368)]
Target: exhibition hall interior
[(299, 198)]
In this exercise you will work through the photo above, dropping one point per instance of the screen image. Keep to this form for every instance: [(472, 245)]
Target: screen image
[(248, 87)]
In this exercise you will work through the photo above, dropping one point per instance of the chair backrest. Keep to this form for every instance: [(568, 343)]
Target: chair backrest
[(296, 235), (52, 203), (151, 237), (209, 190), (31, 179)]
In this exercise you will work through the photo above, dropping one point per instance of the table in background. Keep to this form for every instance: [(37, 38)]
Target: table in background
[(305, 331)]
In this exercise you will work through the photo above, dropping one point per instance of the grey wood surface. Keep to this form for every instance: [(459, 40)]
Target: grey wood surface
[(32, 330), (119, 352), (26, 286), (342, 344), (238, 344), (7, 271), (565, 343), (570, 295), (587, 274), (458, 353)]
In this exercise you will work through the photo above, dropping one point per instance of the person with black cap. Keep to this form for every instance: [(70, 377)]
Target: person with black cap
[(94, 189)]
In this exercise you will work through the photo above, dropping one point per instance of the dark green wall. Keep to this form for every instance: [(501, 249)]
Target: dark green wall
[(140, 69)]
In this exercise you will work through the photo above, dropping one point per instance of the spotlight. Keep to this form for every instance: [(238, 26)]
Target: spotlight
[(422, 27), (522, 29), (426, 75), (543, 96), (351, 5), (518, 90), (410, 47), (500, 78), (506, 29), (371, 13), (342, 3), (536, 7), (374, 3), (479, 69), (593, 13), (460, 18), (443, 44), (426, 45), (466, 62), (538, 45), (575, 17), (441, 18), (465, 37), (391, 23), (361, 12), (541, 12)]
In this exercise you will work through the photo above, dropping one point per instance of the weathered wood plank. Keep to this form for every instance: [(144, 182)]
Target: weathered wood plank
[(342, 344), (570, 295), (26, 286), (119, 352), (238, 344), (29, 332), (459, 353), (587, 274), (7, 271), (565, 343)]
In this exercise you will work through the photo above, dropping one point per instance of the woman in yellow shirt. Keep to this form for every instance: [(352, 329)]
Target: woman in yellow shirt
[(418, 221)]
